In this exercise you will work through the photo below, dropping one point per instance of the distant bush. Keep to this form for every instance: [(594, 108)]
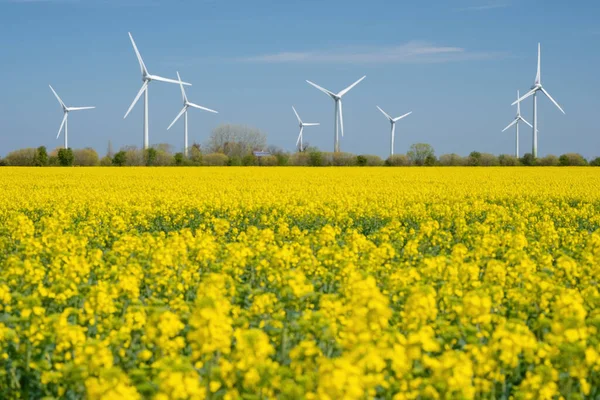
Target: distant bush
[(452, 160), (506, 160), (339, 159), (3, 162), (133, 156), (85, 157), (282, 156), (548, 161), (594, 163), (234, 161), (106, 161), (268, 161), (249, 160), (368, 160), (398, 160), (21, 157), (300, 160), (215, 159), (316, 159), (488, 160), (572, 160)]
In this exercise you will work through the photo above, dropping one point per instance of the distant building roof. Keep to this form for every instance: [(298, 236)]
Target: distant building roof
[(261, 153)]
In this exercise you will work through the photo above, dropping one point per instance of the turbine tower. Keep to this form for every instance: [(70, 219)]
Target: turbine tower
[(65, 120), (186, 105), (339, 117), (146, 78), (393, 130), (516, 123), (537, 87), (302, 125)]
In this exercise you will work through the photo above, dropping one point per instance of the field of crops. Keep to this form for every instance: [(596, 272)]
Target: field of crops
[(409, 283)]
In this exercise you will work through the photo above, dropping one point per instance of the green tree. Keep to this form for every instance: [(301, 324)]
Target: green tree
[(178, 158), (150, 156), (595, 162), (361, 161), (474, 159), (249, 160), (41, 157), (528, 160), (419, 152), (236, 140), (66, 157), (572, 160), (316, 158), (120, 158), (430, 160)]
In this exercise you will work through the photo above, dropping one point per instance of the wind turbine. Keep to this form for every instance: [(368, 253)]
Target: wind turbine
[(146, 78), (339, 117), (537, 87), (65, 120), (302, 125), (516, 122), (393, 131), (186, 105)]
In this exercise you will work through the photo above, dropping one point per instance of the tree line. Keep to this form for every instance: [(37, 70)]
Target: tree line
[(236, 145)]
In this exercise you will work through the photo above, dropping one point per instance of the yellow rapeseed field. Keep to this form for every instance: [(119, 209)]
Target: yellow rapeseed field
[(300, 283)]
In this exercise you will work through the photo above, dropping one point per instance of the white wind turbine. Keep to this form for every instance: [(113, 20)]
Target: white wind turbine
[(339, 117), (302, 125), (393, 131), (146, 78), (65, 120), (516, 122), (537, 87), (186, 105)]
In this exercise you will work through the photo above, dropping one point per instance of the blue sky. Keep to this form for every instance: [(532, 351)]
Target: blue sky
[(455, 64)]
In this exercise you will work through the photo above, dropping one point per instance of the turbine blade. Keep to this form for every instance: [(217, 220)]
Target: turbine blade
[(185, 100), (178, 116), (511, 124), (384, 113), (297, 116), (343, 92), (62, 124), (322, 89), (552, 100), (58, 98), (161, 79), (139, 56), (144, 87), (518, 104), (531, 92), (80, 108), (341, 119), (403, 116), (299, 136), (311, 124), (524, 120), (202, 108)]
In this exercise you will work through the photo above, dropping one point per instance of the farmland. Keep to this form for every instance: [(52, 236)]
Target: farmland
[(331, 283)]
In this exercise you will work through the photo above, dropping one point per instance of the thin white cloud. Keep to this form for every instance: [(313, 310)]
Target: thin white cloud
[(484, 7), (414, 52)]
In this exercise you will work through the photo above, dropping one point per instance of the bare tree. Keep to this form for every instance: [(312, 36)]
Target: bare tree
[(236, 140)]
